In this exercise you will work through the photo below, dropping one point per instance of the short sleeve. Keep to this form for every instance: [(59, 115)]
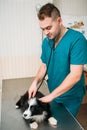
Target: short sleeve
[(43, 54), (78, 53)]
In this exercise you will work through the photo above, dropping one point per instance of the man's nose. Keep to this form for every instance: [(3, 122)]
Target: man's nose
[(46, 32)]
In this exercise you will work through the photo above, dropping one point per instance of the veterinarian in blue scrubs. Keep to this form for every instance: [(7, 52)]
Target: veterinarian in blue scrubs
[(65, 50)]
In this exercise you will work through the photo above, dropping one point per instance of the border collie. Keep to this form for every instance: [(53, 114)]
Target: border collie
[(35, 111)]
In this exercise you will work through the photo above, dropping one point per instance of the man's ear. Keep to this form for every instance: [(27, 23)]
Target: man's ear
[(59, 19)]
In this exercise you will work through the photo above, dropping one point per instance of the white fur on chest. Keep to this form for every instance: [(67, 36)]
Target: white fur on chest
[(40, 118)]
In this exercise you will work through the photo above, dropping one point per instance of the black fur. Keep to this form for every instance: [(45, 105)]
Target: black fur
[(36, 109)]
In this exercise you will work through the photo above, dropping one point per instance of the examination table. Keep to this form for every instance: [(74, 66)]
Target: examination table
[(11, 118)]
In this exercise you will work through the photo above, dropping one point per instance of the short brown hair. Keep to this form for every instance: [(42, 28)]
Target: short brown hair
[(48, 10)]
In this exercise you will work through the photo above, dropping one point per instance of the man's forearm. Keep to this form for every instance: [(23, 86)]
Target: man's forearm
[(40, 74), (65, 86)]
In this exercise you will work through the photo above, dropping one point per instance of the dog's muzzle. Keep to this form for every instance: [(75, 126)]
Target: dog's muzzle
[(27, 114)]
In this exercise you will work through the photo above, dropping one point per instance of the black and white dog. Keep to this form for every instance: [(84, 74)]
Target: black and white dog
[(35, 111)]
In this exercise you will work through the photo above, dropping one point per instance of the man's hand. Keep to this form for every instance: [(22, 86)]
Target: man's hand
[(32, 90), (46, 99)]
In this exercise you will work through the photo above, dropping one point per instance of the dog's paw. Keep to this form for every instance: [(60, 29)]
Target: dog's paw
[(52, 121), (33, 125)]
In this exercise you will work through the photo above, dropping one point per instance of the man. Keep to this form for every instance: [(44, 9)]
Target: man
[(65, 70)]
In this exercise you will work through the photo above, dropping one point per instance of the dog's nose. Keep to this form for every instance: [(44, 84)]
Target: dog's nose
[(25, 115)]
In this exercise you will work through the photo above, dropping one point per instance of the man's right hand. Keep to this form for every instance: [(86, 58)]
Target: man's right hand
[(32, 90)]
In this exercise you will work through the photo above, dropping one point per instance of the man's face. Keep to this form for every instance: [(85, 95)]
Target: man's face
[(50, 27)]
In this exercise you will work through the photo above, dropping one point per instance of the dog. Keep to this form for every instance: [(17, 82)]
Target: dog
[(35, 111)]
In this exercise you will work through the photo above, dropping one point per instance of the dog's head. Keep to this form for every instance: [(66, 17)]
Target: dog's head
[(35, 107)]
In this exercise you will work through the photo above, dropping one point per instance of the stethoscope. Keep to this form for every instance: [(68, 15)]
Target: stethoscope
[(52, 47)]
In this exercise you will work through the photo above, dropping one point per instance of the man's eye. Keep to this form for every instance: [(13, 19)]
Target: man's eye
[(48, 28)]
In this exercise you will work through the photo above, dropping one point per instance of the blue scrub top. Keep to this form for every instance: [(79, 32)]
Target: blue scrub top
[(71, 49)]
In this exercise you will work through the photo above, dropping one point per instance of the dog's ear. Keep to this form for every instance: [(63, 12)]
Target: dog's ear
[(45, 106), (39, 94), (18, 104), (26, 95), (40, 103), (22, 101)]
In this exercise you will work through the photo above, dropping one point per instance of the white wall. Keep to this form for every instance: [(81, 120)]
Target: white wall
[(72, 12), (19, 29), (20, 38), (72, 7)]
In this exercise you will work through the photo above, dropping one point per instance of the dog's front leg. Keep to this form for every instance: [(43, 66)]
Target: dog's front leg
[(33, 125), (52, 121)]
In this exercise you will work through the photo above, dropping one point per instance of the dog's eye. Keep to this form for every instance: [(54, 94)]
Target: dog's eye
[(32, 108)]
